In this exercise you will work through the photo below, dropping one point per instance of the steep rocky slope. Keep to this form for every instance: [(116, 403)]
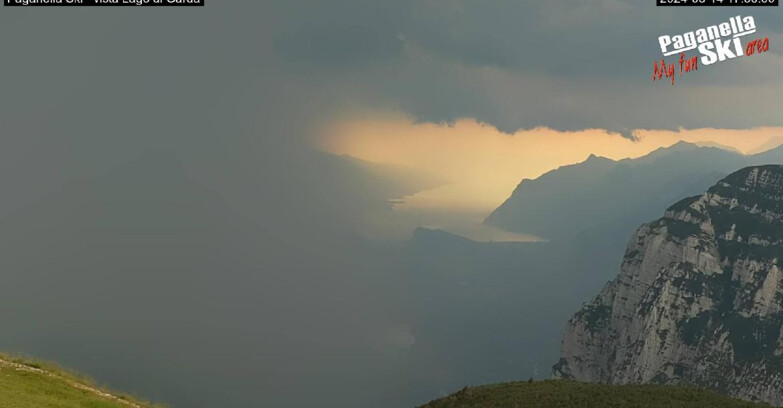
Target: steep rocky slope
[(699, 299)]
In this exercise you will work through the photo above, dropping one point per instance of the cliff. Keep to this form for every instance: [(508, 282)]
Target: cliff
[(699, 298)]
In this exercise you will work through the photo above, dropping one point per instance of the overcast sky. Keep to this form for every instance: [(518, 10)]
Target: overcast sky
[(277, 70), (522, 64), (282, 74)]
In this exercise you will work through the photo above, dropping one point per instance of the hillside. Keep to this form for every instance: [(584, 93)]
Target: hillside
[(25, 384), (605, 198), (567, 394)]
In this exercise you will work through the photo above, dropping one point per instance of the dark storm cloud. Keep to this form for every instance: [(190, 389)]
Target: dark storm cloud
[(343, 34), (521, 64), (340, 45)]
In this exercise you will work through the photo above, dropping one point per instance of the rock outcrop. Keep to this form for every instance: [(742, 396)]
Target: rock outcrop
[(699, 298)]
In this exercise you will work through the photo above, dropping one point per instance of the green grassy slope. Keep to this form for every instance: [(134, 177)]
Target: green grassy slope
[(569, 394), (25, 384)]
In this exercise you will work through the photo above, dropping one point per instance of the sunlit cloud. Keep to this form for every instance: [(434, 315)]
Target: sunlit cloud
[(483, 165)]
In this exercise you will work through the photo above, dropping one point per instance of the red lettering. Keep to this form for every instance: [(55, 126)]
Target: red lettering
[(682, 59), (658, 73), (757, 46), (692, 64), (750, 49)]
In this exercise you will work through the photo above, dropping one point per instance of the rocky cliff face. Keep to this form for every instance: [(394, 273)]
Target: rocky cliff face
[(699, 298)]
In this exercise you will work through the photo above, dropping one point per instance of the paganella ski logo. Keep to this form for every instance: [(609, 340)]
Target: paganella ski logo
[(716, 43)]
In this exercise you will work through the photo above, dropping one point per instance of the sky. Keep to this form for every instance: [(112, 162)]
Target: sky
[(486, 94), (169, 213), (287, 74), (520, 65)]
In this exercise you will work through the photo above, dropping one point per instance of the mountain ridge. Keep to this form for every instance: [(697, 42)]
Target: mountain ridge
[(616, 195)]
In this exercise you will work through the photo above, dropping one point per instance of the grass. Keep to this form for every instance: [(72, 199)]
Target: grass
[(571, 394), (26, 383)]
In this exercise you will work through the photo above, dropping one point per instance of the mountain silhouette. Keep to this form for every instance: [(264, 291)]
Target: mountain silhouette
[(605, 196)]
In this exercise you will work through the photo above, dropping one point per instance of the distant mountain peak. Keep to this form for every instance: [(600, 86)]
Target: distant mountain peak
[(677, 147), (594, 158), (614, 195), (771, 144), (681, 145), (718, 146)]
